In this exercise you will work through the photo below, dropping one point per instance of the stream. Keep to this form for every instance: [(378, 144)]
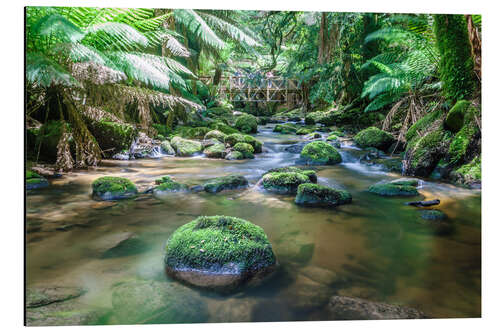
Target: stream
[(369, 245)]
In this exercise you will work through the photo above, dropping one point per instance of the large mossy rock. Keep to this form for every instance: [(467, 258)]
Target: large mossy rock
[(245, 149), (215, 134), (374, 137), (468, 174), (314, 195), (112, 136), (232, 182), (467, 141), (113, 188), (35, 181), (246, 123), (167, 148), (223, 127), (219, 252), (455, 117), (284, 182), (350, 308), (185, 147), (285, 129), (167, 185), (217, 150), (154, 302), (399, 187), (309, 173), (423, 153), (236, 138), (320, 153)]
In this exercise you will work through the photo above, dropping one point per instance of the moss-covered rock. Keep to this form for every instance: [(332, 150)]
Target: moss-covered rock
[(312, 136), (167, 185), (311, 174), (113, 137), (154, 302), (244, 148), (332, 137), (314, 195), (234, 155), (215, 134), (468, 174), (185, 147), (284, 129), (313, 117), (303, 131), (231, 182), (35, 181), (284, 182), (399, 187), (224, 128), (246, 123), (233, 139), (320, 153), (167, 148), (374, 137), (217, 150), (388, 164), (113, 188), (455, 117), (256, 144), (219, 252), (467, 141), (424, 153)]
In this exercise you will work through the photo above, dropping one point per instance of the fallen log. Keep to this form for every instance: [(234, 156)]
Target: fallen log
[(424, 203)]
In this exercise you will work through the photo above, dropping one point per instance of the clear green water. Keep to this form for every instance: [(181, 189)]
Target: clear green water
[(369, 244)]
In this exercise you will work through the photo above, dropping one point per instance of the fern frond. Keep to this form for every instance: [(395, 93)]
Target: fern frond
[(198, 27), (45, 72)]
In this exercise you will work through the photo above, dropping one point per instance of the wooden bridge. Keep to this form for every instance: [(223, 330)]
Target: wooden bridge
[(247, 89)]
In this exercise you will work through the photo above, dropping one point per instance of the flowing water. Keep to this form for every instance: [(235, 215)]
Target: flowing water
[(370, 245)]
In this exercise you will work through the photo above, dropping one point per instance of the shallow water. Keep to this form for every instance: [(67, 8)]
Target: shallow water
[(370, 244)]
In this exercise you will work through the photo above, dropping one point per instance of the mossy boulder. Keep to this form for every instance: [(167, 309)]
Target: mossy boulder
[(217, 150), (167, 148), (468, 174), (311, 174), (234, 155), (219, 252), (35, 181), (399, 187), (215, 134), (246, 123), (303, 131), (284, 129), (231, 182), (234, 138), (112, 136), (256, 144), (424, 153), (224, 128), (312, 136), (113, 188), (184, 147), (284, 182), (245, 149), (313, 117), (455, 117), (467, 140), (167, 185), (320, 153), (314, 195), (155, 302), (374, 137)]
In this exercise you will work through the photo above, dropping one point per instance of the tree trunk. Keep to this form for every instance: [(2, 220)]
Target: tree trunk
[(475, 40)]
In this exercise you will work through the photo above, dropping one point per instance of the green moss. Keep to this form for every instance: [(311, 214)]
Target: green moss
[(456, 65), (320, 152), (234, 139), (461, 141), (284, 129), (455, 117), (303, 131), (374, 137), (315, 195), (244, 148), (332, 137), (171, 187), (185, 147), (311, 174), (113, 136), (217, 150), (284, 182), (224, 240), (215, 134), (313, 117), (424, 154), (422, 124), (469, 172), (256, 144), (224, 128), (246, 123), (405, 181), (31, 174), (235, 155), (391, 190), (111, 188), (231, 182)]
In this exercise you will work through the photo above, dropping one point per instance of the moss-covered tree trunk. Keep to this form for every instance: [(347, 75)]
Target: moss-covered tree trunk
[(456, 65)]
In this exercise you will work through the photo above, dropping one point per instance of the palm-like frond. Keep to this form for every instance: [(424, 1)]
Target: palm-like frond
[(198, 27), (229, 30), (45, 72)]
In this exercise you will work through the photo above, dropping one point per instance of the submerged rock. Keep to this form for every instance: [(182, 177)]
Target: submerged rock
[(320, 153), (113, 188), (399, 187), (232, 182), (374, 137), (431, 221), (154, 302), (185, 147), (35, 181), (127, 247), (296, 148), (284, 182), (350, 308), (219, 252), (314, 195)]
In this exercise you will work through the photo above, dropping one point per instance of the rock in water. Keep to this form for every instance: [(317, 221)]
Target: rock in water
[(350, 308), (220, 253), (153, 302), (405, 187), (225, 183), (113, 188), (34, 181), (284, 182), (374, 137), (167, 185), (185, 147), (320, 153), (314, 195)]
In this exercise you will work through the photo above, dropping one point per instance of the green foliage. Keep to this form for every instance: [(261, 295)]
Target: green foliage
[(214, 241), (456, 66), (470, 171), (463, 139)]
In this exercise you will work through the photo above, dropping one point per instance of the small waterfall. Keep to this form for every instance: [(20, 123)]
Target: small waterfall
[(156, 152)]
